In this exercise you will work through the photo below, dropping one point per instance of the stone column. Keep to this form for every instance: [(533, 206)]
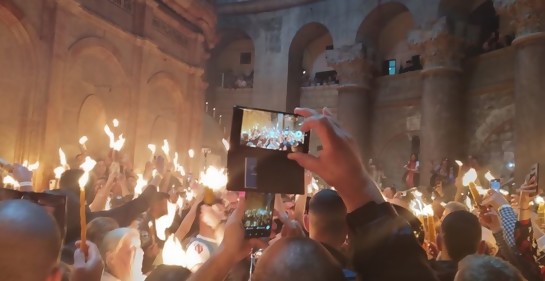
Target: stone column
[(354, 101), (527, 18), (442, 131)]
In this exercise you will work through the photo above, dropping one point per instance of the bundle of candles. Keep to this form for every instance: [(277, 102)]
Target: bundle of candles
[(425, 214)]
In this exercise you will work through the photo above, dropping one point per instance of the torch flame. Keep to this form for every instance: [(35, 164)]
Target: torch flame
[(225, 144), (62, 158), (165, 147), (173, 253), (86, 166), (214, 178), (539, 200), (459, 163), (489, 176), (110, 135), (140, 184), (115, 122), (58, 172), (189, 195), (34, 166), (470, 176), (83, 140), (428, 210), (164, 222), (9, 180), (152, 148), (118, 145), (191, 153), (175, 159)]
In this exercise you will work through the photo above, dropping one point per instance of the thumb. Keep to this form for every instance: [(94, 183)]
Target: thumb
[(79, 257), (307, 161), (239, 211)]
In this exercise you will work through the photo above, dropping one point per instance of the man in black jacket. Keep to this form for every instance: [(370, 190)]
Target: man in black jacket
[(383, 243)]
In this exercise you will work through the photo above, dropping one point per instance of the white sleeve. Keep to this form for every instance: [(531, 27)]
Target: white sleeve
[(197, 253), (541, 243)]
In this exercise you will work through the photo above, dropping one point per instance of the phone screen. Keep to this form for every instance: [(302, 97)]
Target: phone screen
[(534, 173), (495, 184), (258, 215), (272, 130)]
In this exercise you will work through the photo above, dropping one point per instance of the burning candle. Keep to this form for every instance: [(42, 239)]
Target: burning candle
[(86, 166), (220, 119), (469, 180), (206, 107), (82, 142), (62, 158), (34, 166), (214, 112), (213, 180), (152, 148), (115, 122), (191, 153), (540, 210), (110, 135), (119, 143)]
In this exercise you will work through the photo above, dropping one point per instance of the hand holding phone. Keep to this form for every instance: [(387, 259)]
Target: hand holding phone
[(257, 219)]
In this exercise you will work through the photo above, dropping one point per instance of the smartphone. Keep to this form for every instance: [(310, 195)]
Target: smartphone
[(258, 216), (495, 184), (250, 177), (534, 173)]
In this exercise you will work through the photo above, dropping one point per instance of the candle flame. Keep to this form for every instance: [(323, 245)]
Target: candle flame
[(25, 164), (177, 167), (62, 158), (459, 163), (164, 222), (428, 210), (110, 135), (191, 153), (152, 148), (140, 184), (175, 159), (470, 176), (165, 147), (86, 166), (115, 122), (118, 145), (468, 203), (189, 195), (34, 166), (173, 253), (214, 178), (225, 144), (489, 176), (539, 200), (58, 172), (83, 140), (9, 180)]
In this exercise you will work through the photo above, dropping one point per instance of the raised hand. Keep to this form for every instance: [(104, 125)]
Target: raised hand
[(87, 268)]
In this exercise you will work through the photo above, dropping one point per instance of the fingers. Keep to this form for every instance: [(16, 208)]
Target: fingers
[(322, 126), (305, 112), (307, 161), (79, 257), (238, 214)]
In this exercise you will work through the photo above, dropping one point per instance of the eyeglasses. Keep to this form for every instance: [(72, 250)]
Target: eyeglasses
[(54, 204)]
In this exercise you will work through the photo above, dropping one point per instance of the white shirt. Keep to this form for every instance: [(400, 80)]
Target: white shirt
[(198, 252)]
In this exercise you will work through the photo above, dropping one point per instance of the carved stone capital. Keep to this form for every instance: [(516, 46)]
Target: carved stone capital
[(438, 48), (527, 16), (353, 69)]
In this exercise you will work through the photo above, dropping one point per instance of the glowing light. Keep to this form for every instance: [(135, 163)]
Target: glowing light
[(62, 158), (166, 148), (459, 163), (118, 145), (110, 135), (539, 200), (189, 195), (469, 177), (191, 153), (164, 222), (504, 192), (225, 144), (86, 166), (173, 253), (489, 176), (152, 148), (34, 166), (58, 172), (140, 184), (214, 178), (83, 140), (9, 180), (428, 210), (115, 122), (177, 167)]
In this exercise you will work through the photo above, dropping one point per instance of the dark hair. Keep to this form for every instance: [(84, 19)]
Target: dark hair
[(169, 273), (461, 234)]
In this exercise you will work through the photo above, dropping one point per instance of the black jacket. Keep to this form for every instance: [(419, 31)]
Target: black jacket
[(385, 248)]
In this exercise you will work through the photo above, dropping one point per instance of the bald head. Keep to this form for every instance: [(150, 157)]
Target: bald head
[(290, 259), (29, 241)]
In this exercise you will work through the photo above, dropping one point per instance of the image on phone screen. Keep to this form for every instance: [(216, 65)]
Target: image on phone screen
[(495, 184), (272, 130), (258, 215), (250, 173)]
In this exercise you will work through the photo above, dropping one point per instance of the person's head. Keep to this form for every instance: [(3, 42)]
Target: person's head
[(122, 253), (445, 163), (389, 192), (169, 273), (453, 206), (326, 219), (100, 168), (414, 157), (99, 227), (30, 243), (460, 235), (290, 259), (486, 268)]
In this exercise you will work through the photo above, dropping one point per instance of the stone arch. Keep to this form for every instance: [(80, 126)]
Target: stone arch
[(383, 33), (393, 154), (91, 120), (19, 54), (93, 67), (301, 40)]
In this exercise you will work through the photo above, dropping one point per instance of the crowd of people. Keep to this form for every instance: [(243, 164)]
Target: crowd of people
[(272, 138), (353, 231)]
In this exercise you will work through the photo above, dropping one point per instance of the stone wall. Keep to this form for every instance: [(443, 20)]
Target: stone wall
[(69, 67)]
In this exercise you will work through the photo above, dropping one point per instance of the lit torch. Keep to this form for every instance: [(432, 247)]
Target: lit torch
[(115, 122), (82, 142), (166, 149), (86, 166), (213, 180), (469, 180), (152, 148)]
